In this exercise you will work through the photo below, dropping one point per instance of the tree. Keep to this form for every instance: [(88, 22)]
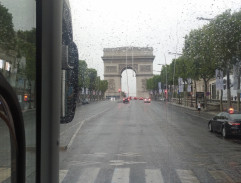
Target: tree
[(26, 47), (103, 86), (183, 70), (7, 34), (83, 74), (92, 74), (226, 36), (198, 48)]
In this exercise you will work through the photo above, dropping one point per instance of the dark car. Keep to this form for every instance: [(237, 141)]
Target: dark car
[(226, 123), (126, 100)]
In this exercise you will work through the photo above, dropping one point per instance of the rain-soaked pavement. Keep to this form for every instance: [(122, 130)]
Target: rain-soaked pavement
[(144, 143)]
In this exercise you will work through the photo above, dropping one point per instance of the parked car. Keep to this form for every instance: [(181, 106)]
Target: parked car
[(141, 98), (147, 100), (85, 101), (226, 123), (126, 100), (135, 98)]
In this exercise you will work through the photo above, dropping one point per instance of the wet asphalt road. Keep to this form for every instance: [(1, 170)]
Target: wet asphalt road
[(144, 143)]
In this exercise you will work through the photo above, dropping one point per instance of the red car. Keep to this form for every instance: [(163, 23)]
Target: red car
[(141, 98), (147, 100), (135, 98)]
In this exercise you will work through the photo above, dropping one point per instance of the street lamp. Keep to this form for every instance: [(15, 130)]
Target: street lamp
[(166, 75), (201, 18), (174, 68), (171, 53)]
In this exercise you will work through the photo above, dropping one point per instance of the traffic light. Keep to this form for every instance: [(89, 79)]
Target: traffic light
[(119, 90), (25, 97), (166, 91)]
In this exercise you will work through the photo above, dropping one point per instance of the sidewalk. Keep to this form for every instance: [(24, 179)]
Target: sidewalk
[(213, 113)]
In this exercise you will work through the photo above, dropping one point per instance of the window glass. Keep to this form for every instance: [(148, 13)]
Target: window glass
[(236, 116), (176, 52), (5, 144), (18, 66)]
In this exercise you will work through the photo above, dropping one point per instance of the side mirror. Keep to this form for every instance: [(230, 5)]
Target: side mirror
[(70, 66)]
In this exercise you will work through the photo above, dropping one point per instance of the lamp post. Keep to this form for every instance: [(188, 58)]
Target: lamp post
[(171, 53), (201, 18), (166, 77)]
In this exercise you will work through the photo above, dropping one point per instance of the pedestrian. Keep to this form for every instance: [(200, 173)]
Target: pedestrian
[(199, 107)]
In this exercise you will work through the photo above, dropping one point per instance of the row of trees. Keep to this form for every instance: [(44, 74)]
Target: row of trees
[(88, 80), (213, 46)]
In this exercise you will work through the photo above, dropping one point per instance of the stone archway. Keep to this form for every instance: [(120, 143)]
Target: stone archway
[(116, 60)]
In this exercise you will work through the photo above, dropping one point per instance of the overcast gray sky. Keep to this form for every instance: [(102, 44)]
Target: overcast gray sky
[(160, 24), (99, 24)]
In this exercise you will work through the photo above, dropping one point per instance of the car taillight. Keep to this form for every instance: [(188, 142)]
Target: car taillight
[(231, 110), (149, 99), (233, 123)]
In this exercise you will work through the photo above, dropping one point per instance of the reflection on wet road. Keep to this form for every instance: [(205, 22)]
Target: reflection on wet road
[(154, 142)]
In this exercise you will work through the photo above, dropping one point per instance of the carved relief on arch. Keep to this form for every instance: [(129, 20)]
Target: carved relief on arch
[(129, 66), (110, 69), (145, 68), (111, 85), (143, 84)]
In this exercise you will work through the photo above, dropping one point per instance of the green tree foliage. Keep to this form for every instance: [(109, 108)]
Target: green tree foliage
[(26, 47), (83, 74), (103, 86), (92, 74), (7, 34), (88, 79), (198, 49)]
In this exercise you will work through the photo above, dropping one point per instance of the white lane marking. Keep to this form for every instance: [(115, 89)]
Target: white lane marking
[(187, 176), (82, 163), (78, 129), (122, 162), (129, 154), (121, 175), (89, 175), (62, 174), (5, 173), (153, 176), (220, 176)]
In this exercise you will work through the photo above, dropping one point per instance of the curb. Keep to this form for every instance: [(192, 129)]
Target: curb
[(194, 109)]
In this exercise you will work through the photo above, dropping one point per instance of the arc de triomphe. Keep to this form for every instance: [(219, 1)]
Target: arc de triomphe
[(117, 60)]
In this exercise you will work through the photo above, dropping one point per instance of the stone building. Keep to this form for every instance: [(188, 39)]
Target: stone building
[(117, 60)]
